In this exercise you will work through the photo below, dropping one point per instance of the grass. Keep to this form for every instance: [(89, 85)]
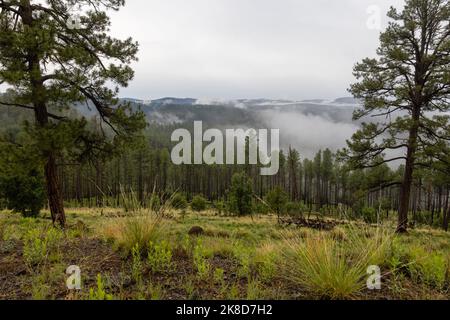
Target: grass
[(143, 255), (431, 268), (128, 232), (201, 262), (330, 269), (99, 293), (40, 246), (159, 256)]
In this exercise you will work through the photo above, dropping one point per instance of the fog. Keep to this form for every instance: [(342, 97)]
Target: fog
[(309, 133)]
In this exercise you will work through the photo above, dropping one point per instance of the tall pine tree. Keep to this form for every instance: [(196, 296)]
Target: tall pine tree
[(54, 62), (404, 89)]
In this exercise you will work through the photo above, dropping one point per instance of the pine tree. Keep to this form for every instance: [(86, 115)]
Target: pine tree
[(241, 194), (404, 86), (294, 167), (277, 200), (55, 62)]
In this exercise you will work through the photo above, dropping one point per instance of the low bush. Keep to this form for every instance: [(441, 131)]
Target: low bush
[(201, 262), (179, 201), (24, 193), (429, 268), (266, 262), (295, 209), (99, 293), (40, 246), (159, 256), (219, 276), (220, 207), (369, 215), (199, 203), (277, 199), (136, 266)]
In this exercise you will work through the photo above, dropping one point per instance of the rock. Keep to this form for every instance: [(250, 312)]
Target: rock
[(196, 231)]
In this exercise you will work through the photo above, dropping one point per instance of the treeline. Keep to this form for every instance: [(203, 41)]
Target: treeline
[(320, 185)]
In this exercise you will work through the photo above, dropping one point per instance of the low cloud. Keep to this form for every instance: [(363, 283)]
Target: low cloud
[(220, 102), (309, 133)]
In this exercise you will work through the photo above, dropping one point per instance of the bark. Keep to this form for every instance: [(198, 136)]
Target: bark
[(405, 193), (446, 219), (446, 213), (54, 193), (38, 92)]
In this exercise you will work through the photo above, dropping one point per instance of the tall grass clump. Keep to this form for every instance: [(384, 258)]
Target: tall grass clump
[(333, 269), (135, 230), (139, 227)]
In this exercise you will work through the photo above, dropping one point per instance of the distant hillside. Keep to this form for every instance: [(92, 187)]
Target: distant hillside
[(347, 100), (306, 125), (242, 112)]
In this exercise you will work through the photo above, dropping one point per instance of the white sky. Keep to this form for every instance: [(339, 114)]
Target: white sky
[(292, 49), (230, 49)]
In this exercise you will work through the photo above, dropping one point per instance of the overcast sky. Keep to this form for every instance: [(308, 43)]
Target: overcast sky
[(230, 49), (294, 49)]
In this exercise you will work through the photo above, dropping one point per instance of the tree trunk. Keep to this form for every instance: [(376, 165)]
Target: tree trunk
[(38, 93), (54, 193), (408, 176), (446, 213), (446, 218)]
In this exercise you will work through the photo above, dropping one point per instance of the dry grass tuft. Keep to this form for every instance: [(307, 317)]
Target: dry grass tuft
[(330, 268), (129, 231)]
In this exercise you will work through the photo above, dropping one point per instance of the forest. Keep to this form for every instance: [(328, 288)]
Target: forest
[(88, 188)]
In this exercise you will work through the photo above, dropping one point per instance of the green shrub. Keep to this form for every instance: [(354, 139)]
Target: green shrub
[(423, 217), (369, 215), (277, 200), (266, 264), (240, 197), (38, 247), (99, 293), (295, 209), (260, 207), (136, 267), (199, 203), (179, 201), (429, 268), (155, 203), (255, 290), (159, 256), (24, 192), (201, 262), (129, 201), (219, 276), (358, 200), (39, 288), (244, 255), (220, 207)]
